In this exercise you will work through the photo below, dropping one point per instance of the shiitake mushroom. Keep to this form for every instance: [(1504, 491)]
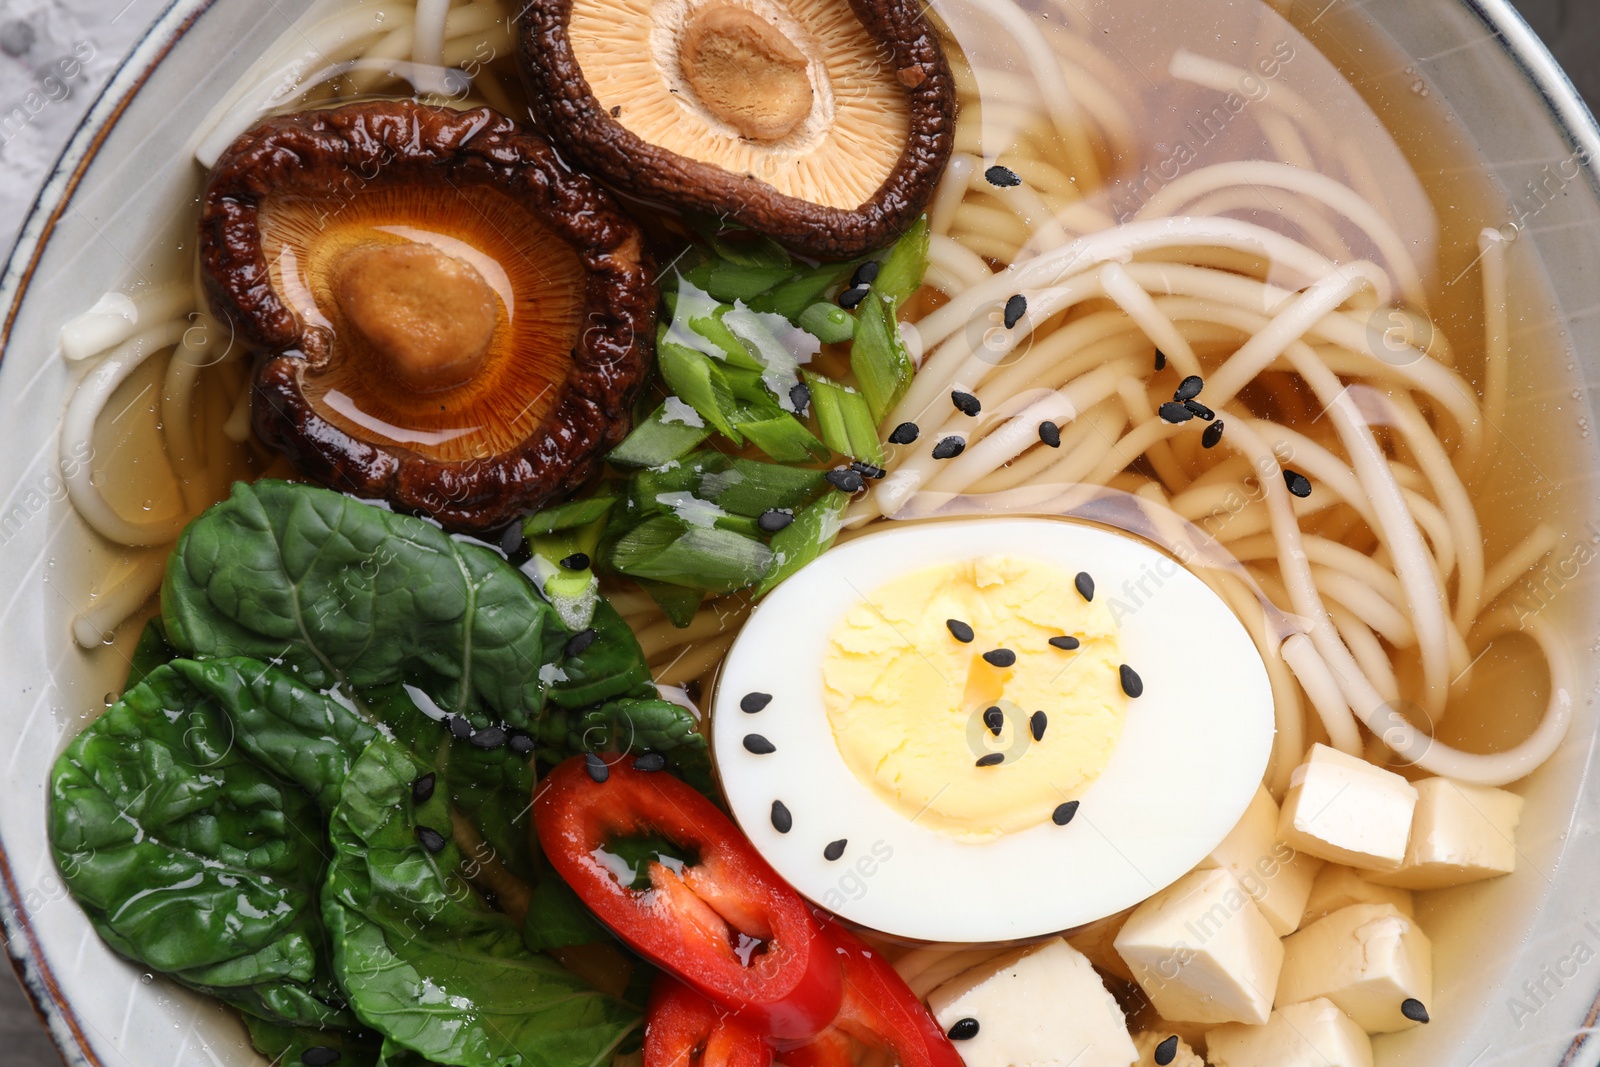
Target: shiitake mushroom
[(447, 317), (824, 124)]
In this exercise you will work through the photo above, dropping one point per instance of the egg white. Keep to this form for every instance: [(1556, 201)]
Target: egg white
[(1194, 746)]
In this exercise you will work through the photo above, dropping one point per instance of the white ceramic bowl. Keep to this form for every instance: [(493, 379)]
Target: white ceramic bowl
[(1518, 960)]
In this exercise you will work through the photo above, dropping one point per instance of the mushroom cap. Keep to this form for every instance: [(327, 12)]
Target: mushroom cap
[(447, 317), (824, 124)]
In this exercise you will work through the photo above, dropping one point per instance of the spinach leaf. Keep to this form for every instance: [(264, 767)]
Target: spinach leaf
[(286, 726), (558, 919), (425, 961), (283, 1046), (339, 591), (189, 858), (612, 666), (151, 652)]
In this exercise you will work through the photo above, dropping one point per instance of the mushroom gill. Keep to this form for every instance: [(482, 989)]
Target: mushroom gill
[(447, 317), (822, 123)]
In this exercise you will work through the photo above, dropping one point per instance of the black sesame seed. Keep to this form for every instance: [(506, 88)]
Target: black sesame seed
[(993, 759), (422, 788), (965, 403), (772, 520), (430, 839), (490, 737), (1298, 483), (866, 274), (1065, 644), (1167, 1051), (1050, 434), (835, 849), (1064, 813), (1414, 1009), (650, 762), (845, 480), (597, 768), (1084, 584), (758, 745), (1016, 307), (1004, 177), (1161, 360), (1000, 657), (963, 1030), (580, 642), (1189, 388), (520, 743), (867, 470), (578, 561), (320, 1056), (949, 448), (782, 821), (904, 434), (751, 703), (959, 630), (851, 298), (1036, 724), (1199, 410), (1212, 435), (1174, 412), (995, 720), (800, 397), (1132, 684), (459, 727)]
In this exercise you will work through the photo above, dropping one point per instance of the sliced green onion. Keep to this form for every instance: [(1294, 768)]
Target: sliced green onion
[(780, 435), (568, 516), (878, 358), (801, 291), (901, 271), (666, 549), (730, 282), (573, 594), (803, 540), (662, 437), (827, 322), (677, 602), (749, 487), (845, 420), (697, 380)]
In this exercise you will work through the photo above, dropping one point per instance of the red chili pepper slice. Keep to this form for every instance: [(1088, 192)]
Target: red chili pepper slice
[(726, 925), (684, 1029), (880, 1011)]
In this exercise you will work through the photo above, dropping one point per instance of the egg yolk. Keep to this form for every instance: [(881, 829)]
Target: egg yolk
[(910, 705)]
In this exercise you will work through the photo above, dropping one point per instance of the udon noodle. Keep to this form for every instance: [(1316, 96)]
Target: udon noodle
[(1370, 600)]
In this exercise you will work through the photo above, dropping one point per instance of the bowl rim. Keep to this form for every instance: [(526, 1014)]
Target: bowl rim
[(1516, 39)]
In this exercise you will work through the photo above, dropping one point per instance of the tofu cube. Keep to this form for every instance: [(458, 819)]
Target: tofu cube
[(1277, 877), (1040, 1006), (1345, 810), (1313, 1034), (1367, 958), (1339, 887), (1202, 952), (1459, 834), (1147, 1042)]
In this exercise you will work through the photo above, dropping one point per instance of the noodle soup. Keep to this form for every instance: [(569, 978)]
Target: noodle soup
[(1375, 476)]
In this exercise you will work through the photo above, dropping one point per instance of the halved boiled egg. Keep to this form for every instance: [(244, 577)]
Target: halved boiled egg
[(990, 729)]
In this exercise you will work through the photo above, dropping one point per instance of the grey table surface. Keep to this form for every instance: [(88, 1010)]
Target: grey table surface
[(34, 34)]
